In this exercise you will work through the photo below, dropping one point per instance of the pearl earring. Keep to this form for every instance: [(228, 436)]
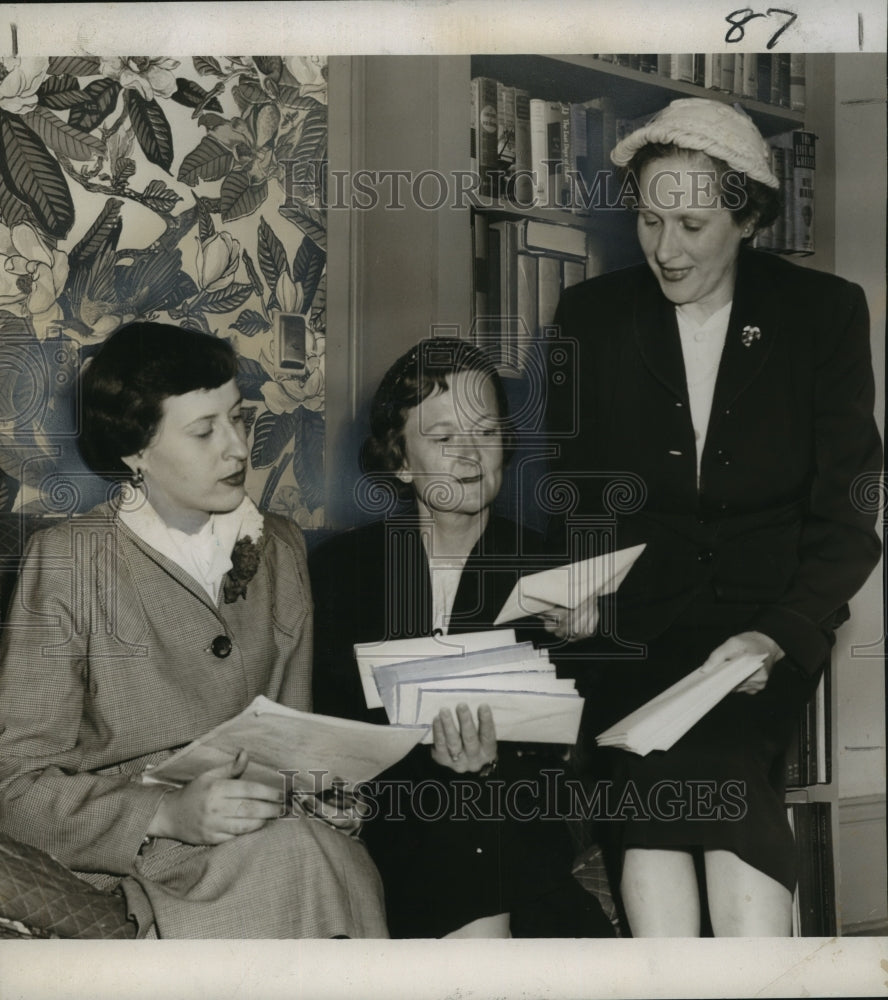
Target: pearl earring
[(138, 478)]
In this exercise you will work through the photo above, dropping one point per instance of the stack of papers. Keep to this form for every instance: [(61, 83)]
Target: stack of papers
[(659, 723), (415, 678)]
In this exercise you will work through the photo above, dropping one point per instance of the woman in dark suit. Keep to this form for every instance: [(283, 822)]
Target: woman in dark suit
[(731, 392), (464, 848), (139, 626)]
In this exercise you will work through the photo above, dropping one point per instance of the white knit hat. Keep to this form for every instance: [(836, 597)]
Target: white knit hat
[(711, 127)]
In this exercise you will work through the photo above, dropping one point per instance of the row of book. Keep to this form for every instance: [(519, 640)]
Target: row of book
[(534, 152), (809, 758), (814, 901), (770, 77), (793, 162), (521, 267)]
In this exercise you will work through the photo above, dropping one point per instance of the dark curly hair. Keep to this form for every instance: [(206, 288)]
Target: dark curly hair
[(415, 376), (132, 373), (747, 199)]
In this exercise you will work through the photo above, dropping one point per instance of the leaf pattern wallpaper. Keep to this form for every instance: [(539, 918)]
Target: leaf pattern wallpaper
[(185, 191)]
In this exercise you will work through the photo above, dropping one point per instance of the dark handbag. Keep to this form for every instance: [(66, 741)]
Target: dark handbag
[(39, 897)]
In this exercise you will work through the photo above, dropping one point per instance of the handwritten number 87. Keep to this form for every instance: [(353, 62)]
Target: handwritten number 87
[(740, 18)]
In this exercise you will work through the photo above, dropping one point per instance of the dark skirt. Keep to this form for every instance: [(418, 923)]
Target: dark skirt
[(454, 848), (722, 785)]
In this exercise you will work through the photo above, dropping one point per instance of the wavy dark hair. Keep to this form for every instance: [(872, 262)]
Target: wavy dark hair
[(415, 376), (124, 385), (744, 197)]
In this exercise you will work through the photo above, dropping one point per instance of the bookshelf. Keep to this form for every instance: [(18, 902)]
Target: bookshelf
[(405, 272)]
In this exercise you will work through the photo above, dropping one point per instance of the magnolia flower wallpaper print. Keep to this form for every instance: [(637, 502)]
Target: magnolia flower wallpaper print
[(185, 191)]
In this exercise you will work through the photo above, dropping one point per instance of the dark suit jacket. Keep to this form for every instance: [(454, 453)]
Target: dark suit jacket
[(777, 529)]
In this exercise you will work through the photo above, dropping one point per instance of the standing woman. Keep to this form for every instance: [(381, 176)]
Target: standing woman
[(459, 834), (735, 389), (137, 627)]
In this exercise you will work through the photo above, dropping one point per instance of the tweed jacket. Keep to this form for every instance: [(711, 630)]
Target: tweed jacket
[(107, 664), (776, 527)]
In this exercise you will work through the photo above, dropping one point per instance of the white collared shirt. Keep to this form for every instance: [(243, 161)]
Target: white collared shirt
[(701, 346)]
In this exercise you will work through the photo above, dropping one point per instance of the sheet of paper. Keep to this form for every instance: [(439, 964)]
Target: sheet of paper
[(319, 747), (370, 654), (533, 718), (509, 680), (568, 586)]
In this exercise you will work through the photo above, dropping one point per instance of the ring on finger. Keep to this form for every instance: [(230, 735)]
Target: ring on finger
[(455, 754)]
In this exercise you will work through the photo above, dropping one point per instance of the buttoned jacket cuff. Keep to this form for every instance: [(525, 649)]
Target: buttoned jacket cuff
[(802, 640)]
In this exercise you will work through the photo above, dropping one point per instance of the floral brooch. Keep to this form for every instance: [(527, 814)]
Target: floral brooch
[(749, 334), (245, 556)]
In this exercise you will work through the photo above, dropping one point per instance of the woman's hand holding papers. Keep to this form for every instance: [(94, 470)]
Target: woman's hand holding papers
[(572, 624), (748, 644), (216, 806), (465, 747)]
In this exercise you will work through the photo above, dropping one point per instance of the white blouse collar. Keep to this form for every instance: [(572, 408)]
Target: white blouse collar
[(205, 555)]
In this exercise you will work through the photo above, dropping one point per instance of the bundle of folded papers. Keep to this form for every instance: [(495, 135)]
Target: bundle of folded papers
[(529, 702), (663, 720)]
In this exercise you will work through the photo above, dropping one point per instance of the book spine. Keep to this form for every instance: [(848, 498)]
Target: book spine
[(779, 157), (712, 70), (563, 189), (797, 69), (803, 190), (763, 78), (473, 126), (739, 74), (727, 72), (539, 146), (554, 152), (750, 74), (480, 261), (574, 272), (780, 66), (527, 307), (826, 740), (487, 135), (507, 265), (681, 67), (808, 904), (826, 858), (793, 759), (505, 131), (578, 164), (548, 289), (524, 188)]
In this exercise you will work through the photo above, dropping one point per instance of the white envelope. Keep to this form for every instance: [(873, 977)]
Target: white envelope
[(535, 717), (370, 654), (568, 586)]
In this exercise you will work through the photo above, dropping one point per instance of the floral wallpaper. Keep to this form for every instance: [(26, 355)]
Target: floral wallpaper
[(180, 190)]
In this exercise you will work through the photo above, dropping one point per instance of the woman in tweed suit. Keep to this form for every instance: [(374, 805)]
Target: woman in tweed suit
[(136, 628)]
